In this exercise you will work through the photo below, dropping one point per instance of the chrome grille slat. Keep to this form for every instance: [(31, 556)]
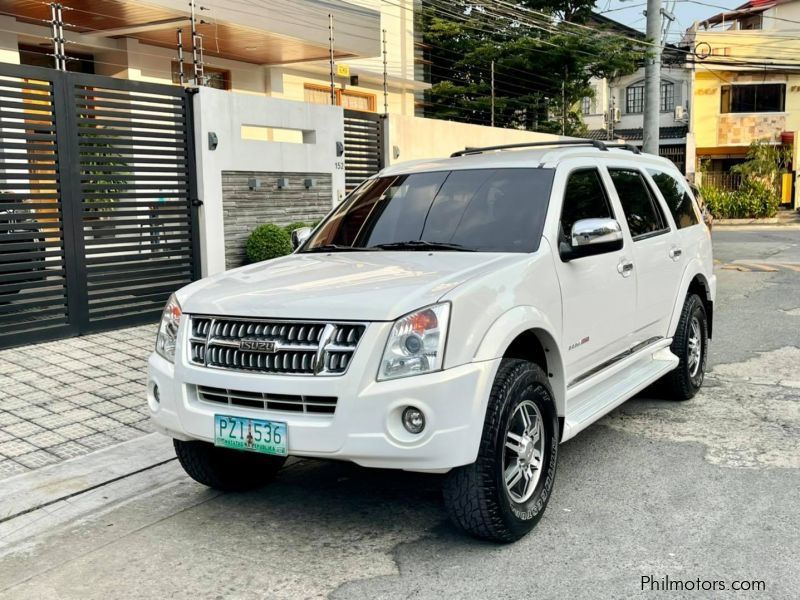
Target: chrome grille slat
[(215, 343), (267, 401)]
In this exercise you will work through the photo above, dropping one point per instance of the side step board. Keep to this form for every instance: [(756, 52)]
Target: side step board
[(595, 397)]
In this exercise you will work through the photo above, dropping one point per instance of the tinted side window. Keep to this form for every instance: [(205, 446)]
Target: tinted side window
[(641, 212), (584, 198), (678, 199)]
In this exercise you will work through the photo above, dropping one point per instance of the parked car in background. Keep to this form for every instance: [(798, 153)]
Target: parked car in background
[(461, 316)]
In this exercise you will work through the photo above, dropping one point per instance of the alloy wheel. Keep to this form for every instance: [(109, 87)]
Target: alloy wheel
[(523, 452)]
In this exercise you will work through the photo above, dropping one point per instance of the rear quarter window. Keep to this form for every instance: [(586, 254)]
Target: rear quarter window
[(677, 197)]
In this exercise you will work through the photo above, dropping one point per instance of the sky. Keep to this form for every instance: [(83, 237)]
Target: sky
[(685, 11)]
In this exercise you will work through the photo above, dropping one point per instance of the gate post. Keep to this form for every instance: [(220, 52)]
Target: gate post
[(68, 153)]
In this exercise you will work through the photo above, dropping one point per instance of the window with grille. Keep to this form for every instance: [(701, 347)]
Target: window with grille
[(586, 105), (667, 96), (761, 97), (634, 99)]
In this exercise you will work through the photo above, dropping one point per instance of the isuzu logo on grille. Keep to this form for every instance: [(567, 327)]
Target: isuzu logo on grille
[(257, 346)]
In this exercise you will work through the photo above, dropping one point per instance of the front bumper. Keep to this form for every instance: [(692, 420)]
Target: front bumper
[(366, 427)]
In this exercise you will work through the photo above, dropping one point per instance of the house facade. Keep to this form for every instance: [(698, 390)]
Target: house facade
[(616, 110), (277, 48), (746, 82)]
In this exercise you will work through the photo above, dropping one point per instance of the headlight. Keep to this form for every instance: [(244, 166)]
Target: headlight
[(168, 329), (416, 344)]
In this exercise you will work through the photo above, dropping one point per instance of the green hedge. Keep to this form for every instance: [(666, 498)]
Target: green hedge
[(268, 241), (753, 200), (296, 225)]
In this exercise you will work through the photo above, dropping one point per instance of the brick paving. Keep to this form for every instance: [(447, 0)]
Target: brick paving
[(63, 399)]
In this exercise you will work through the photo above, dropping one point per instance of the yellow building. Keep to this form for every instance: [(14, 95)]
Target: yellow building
[(746, 82)]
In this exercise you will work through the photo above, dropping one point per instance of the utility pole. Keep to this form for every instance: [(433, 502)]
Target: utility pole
[(652, 79), (330, 56), (564, 103), (492, 93), (385, 77), (612, 110)]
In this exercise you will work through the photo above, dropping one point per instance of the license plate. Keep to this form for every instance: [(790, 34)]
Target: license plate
[(254, 435)]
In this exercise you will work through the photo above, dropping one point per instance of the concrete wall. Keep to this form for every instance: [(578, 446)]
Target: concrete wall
[(9, 46), (244, 208), (412, 138), (224, 114)]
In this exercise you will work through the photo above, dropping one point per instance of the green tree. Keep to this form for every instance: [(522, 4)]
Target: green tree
[(541, 71)]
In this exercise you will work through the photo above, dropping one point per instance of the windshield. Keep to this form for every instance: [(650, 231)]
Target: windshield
[(484, 210)]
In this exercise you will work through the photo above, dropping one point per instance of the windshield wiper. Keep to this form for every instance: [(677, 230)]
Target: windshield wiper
[(338, 248), (423, 245)]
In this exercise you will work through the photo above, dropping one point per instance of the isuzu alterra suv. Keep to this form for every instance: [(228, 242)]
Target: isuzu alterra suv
[(460, 316)]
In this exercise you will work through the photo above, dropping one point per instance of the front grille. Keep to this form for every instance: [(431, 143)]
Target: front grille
[(285, 347), (264, 401)]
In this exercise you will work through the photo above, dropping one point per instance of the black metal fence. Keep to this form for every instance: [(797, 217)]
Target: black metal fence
[(97, 222), (722, 180), (363, 146)]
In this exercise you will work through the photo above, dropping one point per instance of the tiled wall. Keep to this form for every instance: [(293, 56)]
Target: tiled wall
[(245, 208)]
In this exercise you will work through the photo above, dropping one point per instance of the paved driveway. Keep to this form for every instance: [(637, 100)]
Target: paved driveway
[(65, 398), (704, 490)]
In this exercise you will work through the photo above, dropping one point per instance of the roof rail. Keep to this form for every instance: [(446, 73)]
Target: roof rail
[(600, 145), (596, 143), (625, 146)]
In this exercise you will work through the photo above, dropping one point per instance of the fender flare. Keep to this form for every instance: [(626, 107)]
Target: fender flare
[(505, 329), (693, 269)]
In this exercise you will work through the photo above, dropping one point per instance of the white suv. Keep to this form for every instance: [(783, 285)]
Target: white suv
[(458, 316)]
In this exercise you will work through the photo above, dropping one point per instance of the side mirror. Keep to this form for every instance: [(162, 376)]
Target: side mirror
[(590, 237), (299, 237)]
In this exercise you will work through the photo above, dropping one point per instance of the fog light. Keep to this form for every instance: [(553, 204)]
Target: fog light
[(156, 395), (413, 420)]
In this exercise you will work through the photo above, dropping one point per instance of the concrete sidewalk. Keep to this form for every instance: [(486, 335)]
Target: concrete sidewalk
[(66, 398)]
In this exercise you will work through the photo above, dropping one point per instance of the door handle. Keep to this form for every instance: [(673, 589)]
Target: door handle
[(625, 267), (675, 253)]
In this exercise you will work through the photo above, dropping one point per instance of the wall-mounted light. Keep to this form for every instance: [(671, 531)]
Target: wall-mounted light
[(283, 183), (310, 183), (339, 149), (254, 184), (213, 140)]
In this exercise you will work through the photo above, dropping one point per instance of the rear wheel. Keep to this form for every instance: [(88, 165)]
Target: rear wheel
[(224, 469), (503, 494), (690, 345)]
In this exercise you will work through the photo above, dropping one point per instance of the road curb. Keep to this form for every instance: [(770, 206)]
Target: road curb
[(28, 492)]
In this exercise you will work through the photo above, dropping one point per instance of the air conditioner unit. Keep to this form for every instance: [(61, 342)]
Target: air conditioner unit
[(680, 113)]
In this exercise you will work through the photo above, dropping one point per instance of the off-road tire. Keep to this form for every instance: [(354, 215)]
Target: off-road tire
[(680, 384), (224, 469), (475, 495)]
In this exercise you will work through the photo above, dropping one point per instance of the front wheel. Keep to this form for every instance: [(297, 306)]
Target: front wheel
[(503, 494), (224, 469)]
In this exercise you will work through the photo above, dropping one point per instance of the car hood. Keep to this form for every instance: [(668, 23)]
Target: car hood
[(369, 286)]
